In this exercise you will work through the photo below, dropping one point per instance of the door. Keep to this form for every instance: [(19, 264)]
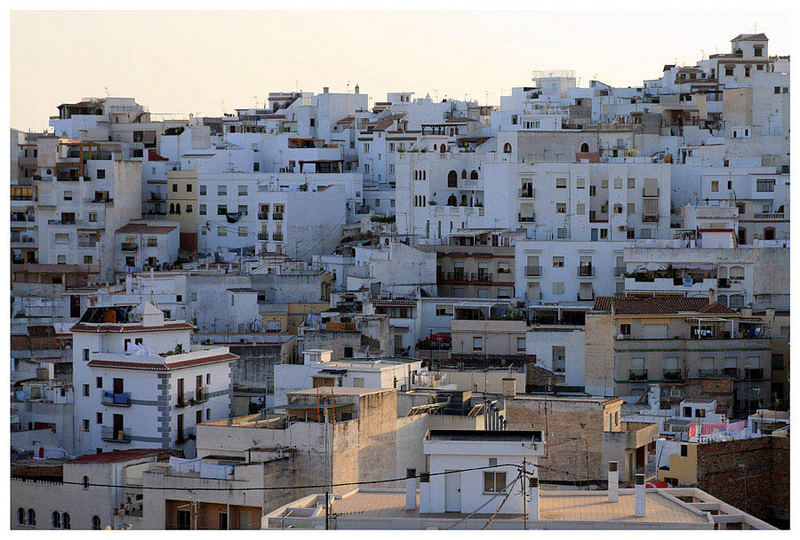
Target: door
[(180, 390), (119, 426), (180, 427), (223, 520), (183, 519), (118, 386), (452, 491), (74, 306)]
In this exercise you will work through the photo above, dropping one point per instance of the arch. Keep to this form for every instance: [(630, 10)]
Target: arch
[(171, 208), (451, 201), (452, 175), (178, 208), (473, 175), (31, 516), (463, 174), (95, 523), (56, 520), (443, 148), (507, 148), (585, 147), (464, 199), (20, 516), (65, 521)]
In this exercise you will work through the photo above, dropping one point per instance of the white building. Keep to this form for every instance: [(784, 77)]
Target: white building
[(147, 244), (140, 384), (319, 369)]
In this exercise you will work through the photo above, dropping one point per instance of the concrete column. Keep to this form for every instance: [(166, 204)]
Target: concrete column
[(613, 481), (639, 493)]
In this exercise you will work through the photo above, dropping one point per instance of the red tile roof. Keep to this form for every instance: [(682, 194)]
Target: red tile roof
[(165, 365), (629, 305), (112, 327), (152, 155), (118, 456)]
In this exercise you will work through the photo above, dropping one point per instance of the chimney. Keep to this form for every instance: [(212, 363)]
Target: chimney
[(613, 481), (533, 498), (411, 489), (639, 494), (509, 387), (712, 296)]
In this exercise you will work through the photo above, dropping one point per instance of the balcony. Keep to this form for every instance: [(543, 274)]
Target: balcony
[(129, 246), (708, 373), (119, 399), (585, 270), (263, 236), (731, 372), (277, 217), (768, 216), (263, 215), (87, 243), (278, 237), (651, 218), (673, 375), (533, 271), (637, 375), (109, 434), (525, 219), (526, 193), (22, 240)]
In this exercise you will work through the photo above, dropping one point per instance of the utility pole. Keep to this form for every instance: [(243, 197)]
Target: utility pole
[(524, 495)]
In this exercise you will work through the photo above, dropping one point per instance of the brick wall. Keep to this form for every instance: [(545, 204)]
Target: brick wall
[(766, 466)]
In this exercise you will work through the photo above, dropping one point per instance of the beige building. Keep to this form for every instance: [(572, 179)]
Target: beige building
[(182, 205), (697, 346), (481, 330)]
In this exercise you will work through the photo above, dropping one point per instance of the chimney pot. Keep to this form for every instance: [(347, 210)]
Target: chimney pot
[(640, 498)]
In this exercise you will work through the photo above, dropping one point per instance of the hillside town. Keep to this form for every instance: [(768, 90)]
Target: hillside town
[(568, 310)]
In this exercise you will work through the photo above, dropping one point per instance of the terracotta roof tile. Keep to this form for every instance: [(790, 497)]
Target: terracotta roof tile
[(124, 455), (629, 305)]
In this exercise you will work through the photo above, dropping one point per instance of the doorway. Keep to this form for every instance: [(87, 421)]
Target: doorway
[(452, 491)]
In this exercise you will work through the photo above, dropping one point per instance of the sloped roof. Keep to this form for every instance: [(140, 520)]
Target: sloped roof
[(751, 37), (629, 305), (118, 456)]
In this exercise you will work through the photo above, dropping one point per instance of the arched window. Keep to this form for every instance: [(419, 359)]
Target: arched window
[(585, 147), (31, 516), (464, 200), (56, 520), (443, 148), (507, 148), (473, 175), (95, 523), (451, 201), (452, 179), (769, 233), (65, 521), (178, 208), (171, 208), (463, 174), (20, 516)]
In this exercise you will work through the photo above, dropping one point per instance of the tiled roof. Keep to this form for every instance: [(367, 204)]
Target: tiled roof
[(165, 365), (113, 327), (629, 305), (118, 456)]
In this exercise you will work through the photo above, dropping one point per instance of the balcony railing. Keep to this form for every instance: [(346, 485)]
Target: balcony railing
[(263, 236), (585, 271), (263, 215), (22, 240), (525, 193), (672, 375), (533, 270), (768, 216), (129, 246), (525, 219), (703, 373), (651, 218), (277, 217), (278, 237), (656, 194), (119, 399), (109, 434), (637, 375), (753, 374)]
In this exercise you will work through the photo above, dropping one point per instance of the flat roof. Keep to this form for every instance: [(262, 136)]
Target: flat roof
[(472, 435)]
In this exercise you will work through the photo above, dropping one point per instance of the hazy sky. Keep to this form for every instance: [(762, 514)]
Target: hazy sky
[(181, 62)]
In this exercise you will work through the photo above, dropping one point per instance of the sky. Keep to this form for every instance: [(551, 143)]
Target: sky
[(207, 62)]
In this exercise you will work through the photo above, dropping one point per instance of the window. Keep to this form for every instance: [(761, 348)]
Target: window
[(20, 511), (561, 183), (208, 378), (99, 418), (222, 209), (85, 355), (604, 183), (765, 185), (580, 183), (188, 208), (558, 262), (561, 208), (242, 191), (222, 190), (95, 523), (684, 450), (31, 516), (507, 148), (777, 361), (559, 353), (202, 189), (625, 329), (85, 389), (581, 209), (56, 520), (65, 521), (592, 191), (67, 195), (174, 188), (617, 183), (202, 209), (714, 186), (494, 482), (85, 482), (208, 414), (521, 344), (62, 259), (558, 288), (729, 71), (222, 230), (101, 173), (477, 343), (631, 208), (242, 230)]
